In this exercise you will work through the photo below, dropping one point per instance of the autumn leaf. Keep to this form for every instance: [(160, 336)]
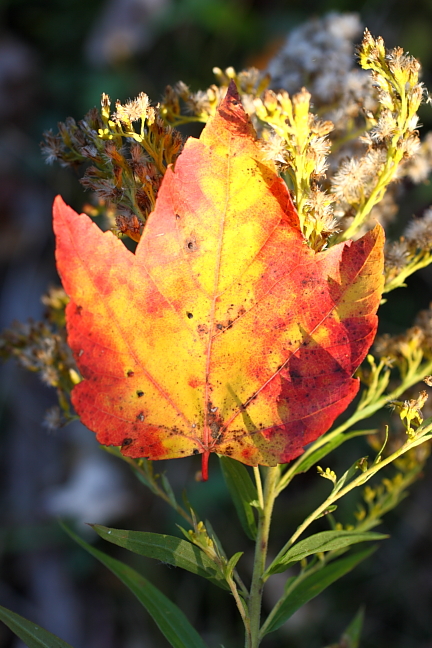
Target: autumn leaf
[(224, 332)]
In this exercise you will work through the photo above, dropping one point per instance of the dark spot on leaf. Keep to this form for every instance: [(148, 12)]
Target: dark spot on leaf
[(140, 416), (130, 374), (177, 216), (195, 451), (191, 245), (126, 442), (190, 315), (219, 326), (139, 393)]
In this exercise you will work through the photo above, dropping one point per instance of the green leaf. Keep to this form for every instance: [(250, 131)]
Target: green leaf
[(242, 491), (169, 618), (379, 455), (310, 586), (348, 475), (232, 562), (318, 543), (168, 490), (33, 635), (351, 636), (329, 510), (215, 538), (167, 549), (324, 450)]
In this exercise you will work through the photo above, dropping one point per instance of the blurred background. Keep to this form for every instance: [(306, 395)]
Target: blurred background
[(56, 58)]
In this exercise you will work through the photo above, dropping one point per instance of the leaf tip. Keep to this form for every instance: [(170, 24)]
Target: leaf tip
[(233, 113)]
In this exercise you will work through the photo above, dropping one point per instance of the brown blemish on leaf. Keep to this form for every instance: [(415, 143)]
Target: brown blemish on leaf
[(202, 329), (191, 245)]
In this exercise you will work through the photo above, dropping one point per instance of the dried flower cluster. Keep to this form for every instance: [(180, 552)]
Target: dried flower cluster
[(41, 347), (341, 136), (320, 56), (336, 196), (410, 253), (407, 350), (361, 182), (180, 105), (299, 143), (126, 155)]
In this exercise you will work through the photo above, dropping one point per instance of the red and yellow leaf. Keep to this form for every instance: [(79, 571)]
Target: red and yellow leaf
[(224, 332)]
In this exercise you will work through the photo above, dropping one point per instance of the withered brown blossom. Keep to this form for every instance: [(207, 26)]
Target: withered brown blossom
[(418, 232), (41, 347), (129, 151)]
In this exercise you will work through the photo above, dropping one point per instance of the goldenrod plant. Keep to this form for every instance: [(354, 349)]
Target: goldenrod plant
[(341, 137)]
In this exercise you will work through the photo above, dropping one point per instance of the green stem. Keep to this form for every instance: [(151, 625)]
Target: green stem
[(295, 583), (375, 197), (255, 597), (240, 605), (417, 263), (422, 436), (259, 486)]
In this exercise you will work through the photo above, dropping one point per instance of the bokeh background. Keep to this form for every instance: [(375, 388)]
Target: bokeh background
[(56, 58)]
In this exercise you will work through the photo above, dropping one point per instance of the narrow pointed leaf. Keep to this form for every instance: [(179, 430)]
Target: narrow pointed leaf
[(224, 332), (30, 633), (243, 492), (169, 618), (233, 562), (320, 542), (313, 585), (167, 549), (351, 636)]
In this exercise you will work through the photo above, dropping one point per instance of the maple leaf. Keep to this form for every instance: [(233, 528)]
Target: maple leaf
[(224, 332)]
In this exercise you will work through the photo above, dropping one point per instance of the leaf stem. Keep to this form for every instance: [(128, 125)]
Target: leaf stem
[(264, 518)]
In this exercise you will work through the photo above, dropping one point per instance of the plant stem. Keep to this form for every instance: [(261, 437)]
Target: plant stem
[(424, 434), (240, 605), (259, 486), (255, 597)]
